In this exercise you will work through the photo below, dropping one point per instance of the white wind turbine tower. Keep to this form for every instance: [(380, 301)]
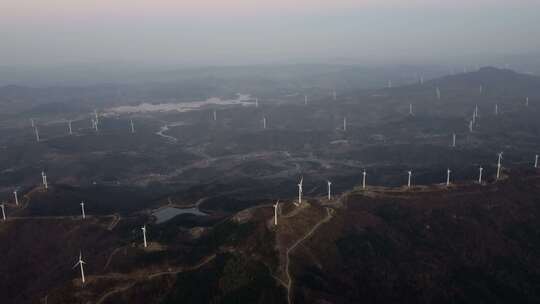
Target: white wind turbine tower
[(409, 180), (82, 210), (300, 190), (480, 175), (32, 123), (36, 132), (132, 126), (476, 111), (80, 263), (329, 183), (44, 180), (481, 89), (536, 161), (527, 101), (364, 179), (496, 109), (3, 211), (144, 236), (305, 100), (499, 165), (96, 115), (344, 123), (411, 109), (276, 207), (474, 117), (448, 171), (438, 93), (215, 115), (69, 128), (471, 126), (16, 198), (264, 122), (453, 140)]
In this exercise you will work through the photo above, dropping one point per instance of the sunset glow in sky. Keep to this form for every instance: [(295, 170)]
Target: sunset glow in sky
[(261, 31)]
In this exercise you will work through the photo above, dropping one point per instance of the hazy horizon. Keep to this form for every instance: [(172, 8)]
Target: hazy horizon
[(209, 32)]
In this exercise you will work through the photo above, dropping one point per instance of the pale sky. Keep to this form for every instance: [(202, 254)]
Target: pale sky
[(262, 31)]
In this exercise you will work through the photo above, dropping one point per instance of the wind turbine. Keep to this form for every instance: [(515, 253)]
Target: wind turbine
[(3, 211), (215, 115), (97, 116), (44, 180), (300, 190), (409, 180), (36, 132), (32, 123), (144, 236), (481, 89), (80, 263), (69, 127), (476, 111), (474, 117), (496, 109), (329, 190), (527, 101), (454, 140), (305, 100), (132, 126), (536, 161), (344, 123), (438, 93), (16, 198), (480, 175), (499, 165), (82, 210), (276, 206), (411, 109), (471, 126), (264, 122), (448, 171), (364, 179), (256, 102)]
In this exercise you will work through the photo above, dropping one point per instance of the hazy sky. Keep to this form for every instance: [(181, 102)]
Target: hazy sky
[(262, 31)]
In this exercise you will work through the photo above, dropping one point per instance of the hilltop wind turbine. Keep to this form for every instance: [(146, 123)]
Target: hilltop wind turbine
[(144, 235), (536, 161), (3, 211), (36, 132), (481, 89), (32, 123), (44, 180), (527, 101), (300, 190), (476, 111), (453, 140), (215, 115), (448, 171), (471, 125), (96, 115), (474, 117), (16, 198), (411, 109), (80, 263), (364, 179), (344, 123), (264, 122), (496, 109), (82, 210), (132, 126), (276, 206), (409, 180), (305, 100), (499, 165), (69, 128), (480, 175), (256, 102), (438, 93), (329, 190)]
